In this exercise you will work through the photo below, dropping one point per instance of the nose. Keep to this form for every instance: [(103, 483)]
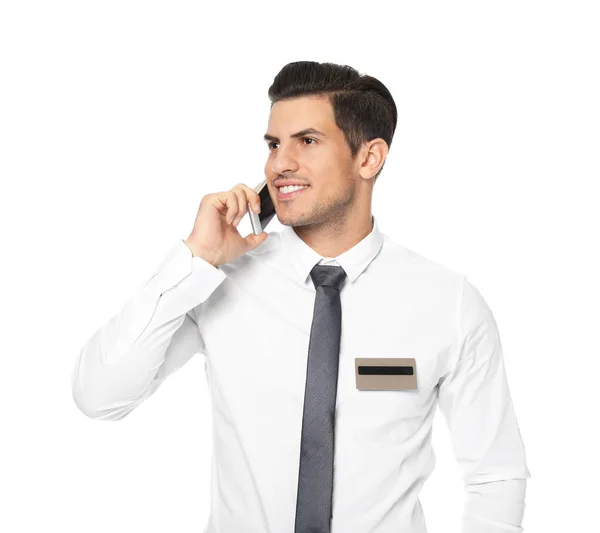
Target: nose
[(284, 161)]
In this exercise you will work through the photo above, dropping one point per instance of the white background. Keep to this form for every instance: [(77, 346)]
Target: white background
[(116, 117)]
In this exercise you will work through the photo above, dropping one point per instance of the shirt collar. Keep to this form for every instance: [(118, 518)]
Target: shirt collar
[(353, 261)]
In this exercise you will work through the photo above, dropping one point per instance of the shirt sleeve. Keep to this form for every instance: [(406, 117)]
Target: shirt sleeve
[(151, 336), (475, 400)]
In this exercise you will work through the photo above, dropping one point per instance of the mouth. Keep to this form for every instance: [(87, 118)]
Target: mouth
[(290, 195)]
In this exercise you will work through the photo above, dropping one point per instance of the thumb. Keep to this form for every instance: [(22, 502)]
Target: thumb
[(253, 241)]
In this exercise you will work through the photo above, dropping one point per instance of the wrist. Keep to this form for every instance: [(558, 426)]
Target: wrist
[(202, 254)]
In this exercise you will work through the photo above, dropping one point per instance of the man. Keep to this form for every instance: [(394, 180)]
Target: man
[(327, 346)]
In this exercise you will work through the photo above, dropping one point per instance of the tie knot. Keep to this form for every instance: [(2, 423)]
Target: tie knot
[(328, 275)]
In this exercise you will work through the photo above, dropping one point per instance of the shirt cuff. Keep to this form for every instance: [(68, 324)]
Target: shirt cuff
[(191, 274)]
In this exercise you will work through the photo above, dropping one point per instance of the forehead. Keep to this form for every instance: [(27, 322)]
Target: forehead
[(298, 113)]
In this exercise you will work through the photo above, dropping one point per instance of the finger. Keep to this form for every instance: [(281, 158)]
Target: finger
[(219, 200), (252, 196), (243, 202), (233, 206), (252, 240)]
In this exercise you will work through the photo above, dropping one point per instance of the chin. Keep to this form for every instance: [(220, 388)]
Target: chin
[(290, 220)]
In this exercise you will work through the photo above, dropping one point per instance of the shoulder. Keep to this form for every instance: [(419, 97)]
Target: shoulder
[(418, 266)]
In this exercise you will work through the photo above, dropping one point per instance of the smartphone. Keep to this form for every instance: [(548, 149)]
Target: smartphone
[(267, 209)]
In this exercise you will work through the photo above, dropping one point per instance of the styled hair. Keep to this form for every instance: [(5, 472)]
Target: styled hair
[(363, 107)]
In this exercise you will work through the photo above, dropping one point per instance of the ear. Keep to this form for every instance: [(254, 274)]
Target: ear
[(372, 157)]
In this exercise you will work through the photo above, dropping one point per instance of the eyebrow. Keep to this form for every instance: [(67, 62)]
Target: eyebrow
[(307, 131)]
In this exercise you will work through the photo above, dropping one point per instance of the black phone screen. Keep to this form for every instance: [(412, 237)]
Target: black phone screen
[(267, 209)]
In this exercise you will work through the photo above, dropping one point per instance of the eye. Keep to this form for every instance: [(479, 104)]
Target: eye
[(271, 147)]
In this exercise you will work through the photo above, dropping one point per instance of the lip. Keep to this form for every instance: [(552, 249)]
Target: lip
[(289, 195)]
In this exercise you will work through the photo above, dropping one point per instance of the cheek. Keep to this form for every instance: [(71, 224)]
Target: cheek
[(268, 168), (321, 164)]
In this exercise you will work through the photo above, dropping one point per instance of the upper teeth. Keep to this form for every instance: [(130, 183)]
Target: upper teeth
[(290, 188)]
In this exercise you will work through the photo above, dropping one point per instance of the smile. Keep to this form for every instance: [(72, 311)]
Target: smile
[(289, 195)]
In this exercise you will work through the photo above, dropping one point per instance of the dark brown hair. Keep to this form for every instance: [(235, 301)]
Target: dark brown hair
[(363, 107)]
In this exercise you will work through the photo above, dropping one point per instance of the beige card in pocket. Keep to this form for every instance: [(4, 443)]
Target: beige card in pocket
[(389, 373)]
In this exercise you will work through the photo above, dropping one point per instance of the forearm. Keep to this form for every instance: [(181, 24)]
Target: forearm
[(125, 359), (495, 507)]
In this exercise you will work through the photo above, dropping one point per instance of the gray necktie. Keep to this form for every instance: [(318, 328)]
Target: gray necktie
[(315, 479)]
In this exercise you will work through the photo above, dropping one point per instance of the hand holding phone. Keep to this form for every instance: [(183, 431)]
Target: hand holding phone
[(215, 237)]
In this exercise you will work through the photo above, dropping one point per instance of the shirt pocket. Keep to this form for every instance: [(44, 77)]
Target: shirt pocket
[(390, 405)]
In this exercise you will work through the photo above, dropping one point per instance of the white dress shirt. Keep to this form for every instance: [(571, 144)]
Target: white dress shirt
[(251, 321)]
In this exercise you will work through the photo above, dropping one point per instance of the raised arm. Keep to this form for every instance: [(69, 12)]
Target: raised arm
[(153, 335)]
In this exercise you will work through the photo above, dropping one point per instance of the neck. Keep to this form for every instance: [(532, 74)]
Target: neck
[(332, 239)]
